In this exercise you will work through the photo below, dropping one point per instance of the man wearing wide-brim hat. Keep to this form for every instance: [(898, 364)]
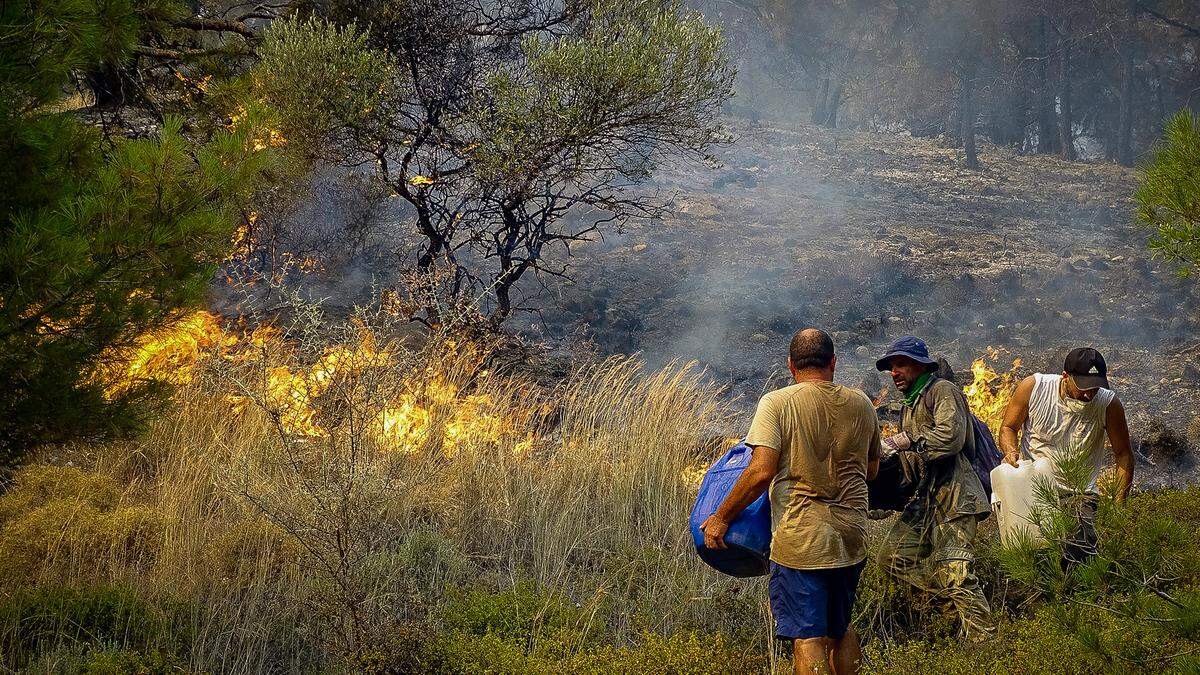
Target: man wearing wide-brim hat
[(929, 545)]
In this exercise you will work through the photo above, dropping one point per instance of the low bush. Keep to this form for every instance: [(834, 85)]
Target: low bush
[(517, 613), (525, 630), (114, 619), (1056, 638), (457, 652), (53, 512), (1155, 534), (84, 661)]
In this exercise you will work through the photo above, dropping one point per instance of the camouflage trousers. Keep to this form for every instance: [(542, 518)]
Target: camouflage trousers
[(935, 556), (1081, 541)]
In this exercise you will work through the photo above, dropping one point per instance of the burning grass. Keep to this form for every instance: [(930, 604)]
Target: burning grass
[(262, 368), (308, 501)]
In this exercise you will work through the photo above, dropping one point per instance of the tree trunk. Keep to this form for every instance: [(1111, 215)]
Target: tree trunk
[(952, 129), (511, 268), (1066, 120), (1159, 103), (110, 86), (435, 242), (839, 93), (1047, 124), (503, 308), (819, 106), (1006, 124), (1125, 132), (835, 102), (967, 108)]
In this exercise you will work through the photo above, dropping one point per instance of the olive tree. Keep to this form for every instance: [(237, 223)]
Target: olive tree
[(508, 127)]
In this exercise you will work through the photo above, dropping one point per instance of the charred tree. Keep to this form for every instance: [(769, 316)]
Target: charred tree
[(1125, 129), (1047, 117), (1050, 70), (968, 118), (1066, 119), (820, 111)]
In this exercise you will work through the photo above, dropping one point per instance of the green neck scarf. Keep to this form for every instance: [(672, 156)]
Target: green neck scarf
[(918, 387)]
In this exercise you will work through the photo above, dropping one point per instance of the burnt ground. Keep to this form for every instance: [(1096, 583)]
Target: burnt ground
[(873, 236)]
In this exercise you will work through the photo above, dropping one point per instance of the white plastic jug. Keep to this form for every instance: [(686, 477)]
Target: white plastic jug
[(1012, 497)]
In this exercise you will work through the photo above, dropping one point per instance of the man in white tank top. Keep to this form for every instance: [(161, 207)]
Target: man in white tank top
[(1069, 415)]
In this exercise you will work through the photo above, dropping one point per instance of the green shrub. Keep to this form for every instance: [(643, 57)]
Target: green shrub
[(1168, 197), (522, 612), (458, 652), (524, 630), (102, 617), (85, 659), (1058, 638), (685, 654), (682, 654), (37, 485), (52, 512), (1155, 533)]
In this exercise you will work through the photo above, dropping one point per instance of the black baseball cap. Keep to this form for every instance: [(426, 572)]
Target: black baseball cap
[(1086, 366)]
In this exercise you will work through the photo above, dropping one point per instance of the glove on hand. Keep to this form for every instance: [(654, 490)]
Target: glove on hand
[(897, 442), (913, 466)]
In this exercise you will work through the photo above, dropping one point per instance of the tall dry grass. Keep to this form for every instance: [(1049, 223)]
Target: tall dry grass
[(295, 552)]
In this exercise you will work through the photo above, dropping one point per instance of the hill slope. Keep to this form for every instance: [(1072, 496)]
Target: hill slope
[(873, 236)]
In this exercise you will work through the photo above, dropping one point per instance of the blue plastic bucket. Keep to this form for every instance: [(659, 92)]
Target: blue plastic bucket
[(749, 535)]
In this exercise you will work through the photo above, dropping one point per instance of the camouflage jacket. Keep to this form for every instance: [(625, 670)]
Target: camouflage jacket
[(940, 426)]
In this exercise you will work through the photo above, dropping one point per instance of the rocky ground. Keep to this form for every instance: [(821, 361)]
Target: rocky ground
[(873, 236)]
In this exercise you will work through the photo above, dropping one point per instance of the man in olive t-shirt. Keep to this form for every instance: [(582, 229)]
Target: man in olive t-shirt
[(816, 444)]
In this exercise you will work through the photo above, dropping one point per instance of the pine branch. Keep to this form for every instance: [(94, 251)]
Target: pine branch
[(218, 25), (175, 54)]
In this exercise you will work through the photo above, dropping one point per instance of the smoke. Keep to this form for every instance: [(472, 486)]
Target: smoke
[(869, 236)]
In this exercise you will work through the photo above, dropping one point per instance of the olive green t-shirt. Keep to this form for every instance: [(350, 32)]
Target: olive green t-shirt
[(825, 433)]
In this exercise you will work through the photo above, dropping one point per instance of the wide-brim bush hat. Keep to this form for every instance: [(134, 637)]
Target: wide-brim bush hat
[(912, 347)]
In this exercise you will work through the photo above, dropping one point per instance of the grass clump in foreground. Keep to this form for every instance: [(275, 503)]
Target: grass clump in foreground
[(439, 514)]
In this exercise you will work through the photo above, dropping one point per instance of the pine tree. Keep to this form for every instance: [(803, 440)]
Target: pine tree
[(1169, 196), (101, 239)]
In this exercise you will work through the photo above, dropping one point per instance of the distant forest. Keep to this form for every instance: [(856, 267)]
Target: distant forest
[(1093, 78)]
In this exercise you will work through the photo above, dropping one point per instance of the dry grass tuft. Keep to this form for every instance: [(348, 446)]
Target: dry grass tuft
[(290, 549)]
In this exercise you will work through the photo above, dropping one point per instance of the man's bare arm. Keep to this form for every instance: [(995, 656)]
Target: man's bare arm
[(764, 464), (1014, 418), (1118, 437)]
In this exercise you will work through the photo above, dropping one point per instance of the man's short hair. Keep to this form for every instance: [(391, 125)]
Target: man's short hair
[(811, 348)]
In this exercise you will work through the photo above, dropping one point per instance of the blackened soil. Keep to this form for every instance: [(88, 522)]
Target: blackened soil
[(873, 236)]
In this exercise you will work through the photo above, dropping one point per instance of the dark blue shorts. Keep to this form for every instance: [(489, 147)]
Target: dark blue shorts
[(813, 603)]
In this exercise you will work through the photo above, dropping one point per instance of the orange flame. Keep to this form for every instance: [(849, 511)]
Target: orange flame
[(431, 410), (169, 355), (990, 391)]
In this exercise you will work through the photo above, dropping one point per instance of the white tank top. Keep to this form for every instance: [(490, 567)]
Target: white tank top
[(1055, 425)]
